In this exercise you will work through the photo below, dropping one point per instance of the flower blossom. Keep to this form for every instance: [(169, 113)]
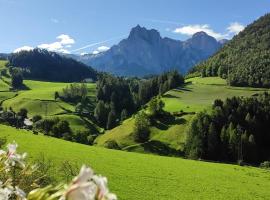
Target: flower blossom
[(87, 186), (13, 157)]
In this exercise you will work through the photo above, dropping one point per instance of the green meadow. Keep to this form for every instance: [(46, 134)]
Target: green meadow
[(199, 93), (196, 95), (38, 99), (136, 176)]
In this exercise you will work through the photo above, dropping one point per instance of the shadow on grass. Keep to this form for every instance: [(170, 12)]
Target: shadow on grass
[(165, 121), (91, 127), (169, 96), (160, 148)]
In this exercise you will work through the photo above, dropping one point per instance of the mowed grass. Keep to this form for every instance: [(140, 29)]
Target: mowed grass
[(136, 176), (199, 94)]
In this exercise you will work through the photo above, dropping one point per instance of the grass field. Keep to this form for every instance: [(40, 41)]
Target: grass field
[(136, 176), (199, 93), (196, 95), (38, 98)]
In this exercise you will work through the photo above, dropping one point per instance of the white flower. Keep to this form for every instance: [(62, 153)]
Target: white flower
[(13, 157), (81, 187), (20, 193), (5, 193), (85, 175), (102, 186), (2, 152), (12, 149), (82, 191), (103, 190)]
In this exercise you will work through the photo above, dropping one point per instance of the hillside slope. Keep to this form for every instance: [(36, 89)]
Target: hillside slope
[(39, 99), (138, 176), (40, 64), (168, 136), (245, 60)]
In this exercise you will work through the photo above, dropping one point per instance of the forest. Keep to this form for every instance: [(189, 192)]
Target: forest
[(118, 97), (40, 64), (236, 129), (245, 60)]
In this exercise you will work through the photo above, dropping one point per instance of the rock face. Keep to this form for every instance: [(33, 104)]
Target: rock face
[(145, 52)]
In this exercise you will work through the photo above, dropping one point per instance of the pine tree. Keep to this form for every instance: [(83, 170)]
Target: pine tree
[(101, 113), (212, 141), (124, 114), (111, 120)]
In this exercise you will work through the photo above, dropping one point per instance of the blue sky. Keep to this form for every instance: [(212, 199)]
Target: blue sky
[(95, 25)]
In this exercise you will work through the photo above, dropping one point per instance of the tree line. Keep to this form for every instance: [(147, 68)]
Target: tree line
[(40, 64), (118, 97), (245, 60), (236, 129)]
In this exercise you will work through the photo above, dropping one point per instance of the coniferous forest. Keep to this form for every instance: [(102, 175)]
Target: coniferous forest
[(245, 60)]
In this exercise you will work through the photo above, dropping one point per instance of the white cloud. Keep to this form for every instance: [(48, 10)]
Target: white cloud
[(65, 41), (95, 52), (23, 48), (235, 28), (101, 49), (192, 29), (231, 30)]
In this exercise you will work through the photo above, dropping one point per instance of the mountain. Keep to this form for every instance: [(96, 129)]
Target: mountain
[(245, 60), (4, 56), (146, 52), (40, 64)]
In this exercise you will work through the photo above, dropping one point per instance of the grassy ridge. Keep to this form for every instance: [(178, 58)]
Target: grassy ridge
[(139, 176), (38, 98), (197, 94)]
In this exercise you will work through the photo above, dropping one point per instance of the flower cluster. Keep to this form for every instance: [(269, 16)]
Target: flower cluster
[(85, 186), (11, 161)]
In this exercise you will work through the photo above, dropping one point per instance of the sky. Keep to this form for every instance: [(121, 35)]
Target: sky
[(93, 26)]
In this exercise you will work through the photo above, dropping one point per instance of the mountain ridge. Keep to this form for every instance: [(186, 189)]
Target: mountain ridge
[(145, 52)]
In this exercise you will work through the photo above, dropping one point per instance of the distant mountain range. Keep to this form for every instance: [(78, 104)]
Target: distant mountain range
[(145, 52)]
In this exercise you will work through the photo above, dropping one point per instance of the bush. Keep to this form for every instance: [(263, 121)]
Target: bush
[(265, 164), (111, 144), (36, 118), (141, 127)]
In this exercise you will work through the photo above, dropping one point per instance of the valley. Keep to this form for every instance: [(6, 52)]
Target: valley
[(95, 107)]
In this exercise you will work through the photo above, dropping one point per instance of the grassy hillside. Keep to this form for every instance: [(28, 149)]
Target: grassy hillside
[(38, 98), (139, 176), (245, 59), (198, 94)]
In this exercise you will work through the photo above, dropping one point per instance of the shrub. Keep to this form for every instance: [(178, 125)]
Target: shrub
[(111, 144), (36, 118), (141, 127), (265, 164)]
